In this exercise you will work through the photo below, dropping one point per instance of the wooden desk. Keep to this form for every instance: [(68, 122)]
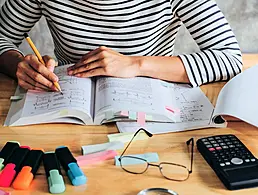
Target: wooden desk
[(106, 178)]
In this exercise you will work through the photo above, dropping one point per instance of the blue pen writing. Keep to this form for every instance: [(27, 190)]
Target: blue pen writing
[(69, 163)]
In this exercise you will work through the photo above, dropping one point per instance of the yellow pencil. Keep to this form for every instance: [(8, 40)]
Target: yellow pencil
[(33, 47)]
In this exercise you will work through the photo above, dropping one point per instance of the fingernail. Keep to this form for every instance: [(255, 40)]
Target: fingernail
[(77, 75)]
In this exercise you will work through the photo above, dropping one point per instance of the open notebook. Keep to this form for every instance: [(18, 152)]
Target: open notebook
[(238, 98), (95, 101)]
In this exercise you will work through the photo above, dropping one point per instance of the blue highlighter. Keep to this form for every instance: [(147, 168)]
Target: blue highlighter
[(69, 163)]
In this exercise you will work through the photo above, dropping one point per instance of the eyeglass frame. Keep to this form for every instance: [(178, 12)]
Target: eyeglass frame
[(191, 140)]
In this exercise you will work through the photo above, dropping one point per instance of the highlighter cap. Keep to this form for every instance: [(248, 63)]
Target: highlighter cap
[(55, 182), (23, 179), (76, 175)]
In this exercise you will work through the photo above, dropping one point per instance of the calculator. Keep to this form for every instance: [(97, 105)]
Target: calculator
[(231, 160)]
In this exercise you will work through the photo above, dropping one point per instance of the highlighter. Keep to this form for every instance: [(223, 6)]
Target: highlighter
[(69, 163), (13, 166), (29, 169), (6, 152), (53, 172)]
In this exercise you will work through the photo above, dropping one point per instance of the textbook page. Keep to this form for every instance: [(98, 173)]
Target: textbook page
[(76, 101), (195, 113), (239, 97), (138, 94)]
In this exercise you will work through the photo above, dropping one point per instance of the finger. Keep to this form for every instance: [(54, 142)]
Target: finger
[(50, 63), (26, 86), (38, 78), (92, 73), (40, 68), (87, 67), (89, 57), (34, 83)]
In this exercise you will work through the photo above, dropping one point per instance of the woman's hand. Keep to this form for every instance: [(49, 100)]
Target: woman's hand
[(105, 62), (32, 74)]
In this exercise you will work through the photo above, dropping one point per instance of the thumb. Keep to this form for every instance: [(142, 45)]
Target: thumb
[(50, 63)]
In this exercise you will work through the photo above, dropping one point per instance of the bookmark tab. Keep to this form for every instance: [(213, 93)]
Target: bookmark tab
[(109, 115), (132, 115), (150, 157), (96, 157), (69, 163), (53, 173), (148, 117), (29, 170), (124, 113), (13, 167), (173, 110), (116, 145), (141, 118), (7, 152), (16, 98), (126, 137)]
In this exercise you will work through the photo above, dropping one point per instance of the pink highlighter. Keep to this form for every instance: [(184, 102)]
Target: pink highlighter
[(94, 158)]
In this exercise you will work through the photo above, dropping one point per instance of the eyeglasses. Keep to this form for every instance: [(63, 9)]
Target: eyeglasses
[(171, 171)]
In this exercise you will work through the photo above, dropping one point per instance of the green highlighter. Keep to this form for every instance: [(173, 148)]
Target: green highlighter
[(53, 173), (7, 152)]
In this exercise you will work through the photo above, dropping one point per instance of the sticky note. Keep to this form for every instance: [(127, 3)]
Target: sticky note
[(126, 137), (150, 157), (141, 118), (132, 115), (16, 98), (63, 112), (94, 158), (109, 115), (116, 145), (124, 113), (148, 117)]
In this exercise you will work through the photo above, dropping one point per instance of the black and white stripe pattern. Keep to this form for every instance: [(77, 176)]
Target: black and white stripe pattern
[(131, 27)]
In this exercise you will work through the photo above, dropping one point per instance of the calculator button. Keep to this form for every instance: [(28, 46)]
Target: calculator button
[(206, 143), (209, 146), (225, 147), (227, 163), (247, 160), (211, 149), (204, 140), (218, 148), (222, 144), (252, 159), (215, 145), (222, 164), (237, 161), (213, 142), (210, 138), (231, 146)]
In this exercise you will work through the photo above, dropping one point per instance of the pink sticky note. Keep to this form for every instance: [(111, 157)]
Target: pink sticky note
[(95, 157), (124, 113), (141, 118)]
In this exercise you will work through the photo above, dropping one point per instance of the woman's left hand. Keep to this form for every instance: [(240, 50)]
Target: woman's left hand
[(105, 62)]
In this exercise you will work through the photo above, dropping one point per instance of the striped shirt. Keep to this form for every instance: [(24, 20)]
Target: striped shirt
[(131, 27)]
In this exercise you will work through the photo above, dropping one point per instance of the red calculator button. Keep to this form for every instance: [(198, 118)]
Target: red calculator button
[(218, 148), (211, 149)]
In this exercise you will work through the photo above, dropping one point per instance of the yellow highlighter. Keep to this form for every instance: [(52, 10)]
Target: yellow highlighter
[(33, 47)]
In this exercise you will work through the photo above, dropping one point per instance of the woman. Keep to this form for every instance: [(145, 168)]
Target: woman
[(120, 38)]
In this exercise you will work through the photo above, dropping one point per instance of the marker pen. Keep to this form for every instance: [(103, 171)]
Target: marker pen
[(69, 163), (53, 172), (29, 169), (7, 151), (13, 166)]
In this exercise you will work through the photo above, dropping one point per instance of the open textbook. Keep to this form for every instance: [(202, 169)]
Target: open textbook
[(94, 101), (238, 98)]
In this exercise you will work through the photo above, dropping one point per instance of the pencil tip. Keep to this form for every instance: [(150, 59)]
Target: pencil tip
[(61, 92), (25, 35)]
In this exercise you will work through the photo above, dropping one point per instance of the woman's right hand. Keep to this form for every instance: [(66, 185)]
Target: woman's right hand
[(32, 74)]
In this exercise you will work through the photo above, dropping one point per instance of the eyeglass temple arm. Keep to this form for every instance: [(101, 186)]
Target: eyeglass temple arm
[(188, 143), (141, 129)]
